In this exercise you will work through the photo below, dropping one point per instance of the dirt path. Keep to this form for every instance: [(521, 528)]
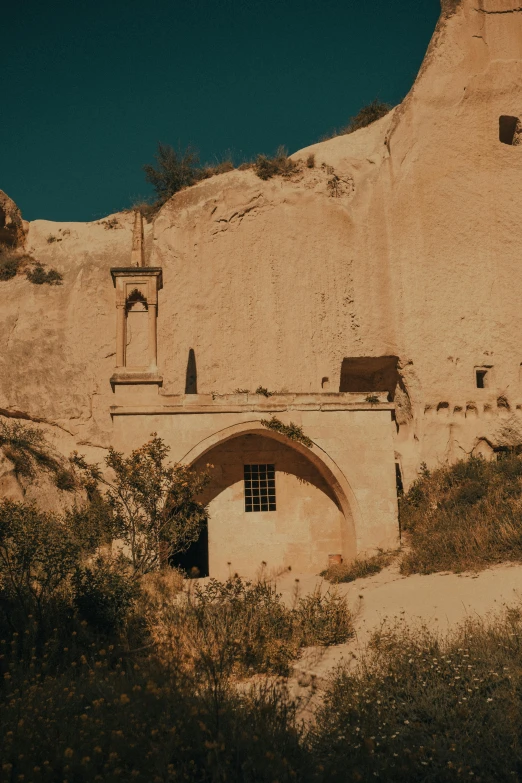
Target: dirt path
[(440, 601)]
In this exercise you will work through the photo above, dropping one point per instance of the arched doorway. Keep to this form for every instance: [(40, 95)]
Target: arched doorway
[(271, 501)]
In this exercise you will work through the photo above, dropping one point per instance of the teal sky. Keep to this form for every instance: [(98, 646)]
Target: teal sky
[(90, 87)]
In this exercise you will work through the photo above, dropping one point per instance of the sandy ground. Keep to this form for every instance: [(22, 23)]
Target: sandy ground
[(441, 601)]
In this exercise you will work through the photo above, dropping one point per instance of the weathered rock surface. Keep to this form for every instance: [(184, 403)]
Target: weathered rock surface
[(11, 224), (404, 241)]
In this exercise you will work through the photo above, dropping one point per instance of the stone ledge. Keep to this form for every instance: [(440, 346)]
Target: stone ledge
[(255, 403), (135, 377)]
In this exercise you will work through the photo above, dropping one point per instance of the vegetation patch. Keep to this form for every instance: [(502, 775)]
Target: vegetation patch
[(39, 275), (366, 116), (424, 708), (291, 431), (246, 627), (264, 391), (13, 263), (30, 451), (151, 505), (176, 170), (359, 568), (465, 516), (280, 165)]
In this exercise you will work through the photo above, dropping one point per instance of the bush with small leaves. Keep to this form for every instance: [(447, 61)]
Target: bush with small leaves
[(105, 593), (464, 516), (291, 431), (41, 276)]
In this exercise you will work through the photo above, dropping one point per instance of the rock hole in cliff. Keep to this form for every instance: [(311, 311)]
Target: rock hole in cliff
[(443, 408), (370, 374), (508, 129), (398, 480), (482, 377), (325, 383)]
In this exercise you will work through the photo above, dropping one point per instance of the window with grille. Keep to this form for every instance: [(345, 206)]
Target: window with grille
[(260, 488)]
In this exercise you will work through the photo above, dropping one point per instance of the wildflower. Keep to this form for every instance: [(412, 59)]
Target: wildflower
[(86, 759), (124, 699), (68, 753), (97, 749)]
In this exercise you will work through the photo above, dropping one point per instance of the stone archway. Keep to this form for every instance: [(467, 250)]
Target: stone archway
[(315, 502)]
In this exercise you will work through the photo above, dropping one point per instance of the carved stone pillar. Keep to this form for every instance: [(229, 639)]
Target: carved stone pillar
[(136, 285)]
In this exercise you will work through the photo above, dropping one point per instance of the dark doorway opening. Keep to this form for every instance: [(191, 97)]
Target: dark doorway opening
[(370, 374), (507, 128), (191, 375), (195, 560)]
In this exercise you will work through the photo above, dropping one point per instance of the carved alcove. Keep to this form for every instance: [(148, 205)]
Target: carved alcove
[(137, 289)]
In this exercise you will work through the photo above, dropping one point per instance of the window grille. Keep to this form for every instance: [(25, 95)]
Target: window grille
[(260, 488)]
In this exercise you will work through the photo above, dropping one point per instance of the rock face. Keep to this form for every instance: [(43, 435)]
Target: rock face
[(11, 224), (394, 261)]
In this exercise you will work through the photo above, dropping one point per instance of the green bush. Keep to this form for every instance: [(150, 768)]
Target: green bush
[(41, 276), (105, 593), (291, 431), (464, 516), (38, 555), (175, 171), (152, 505)]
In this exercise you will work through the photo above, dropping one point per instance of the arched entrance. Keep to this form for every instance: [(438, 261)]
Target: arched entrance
[(271, 501)]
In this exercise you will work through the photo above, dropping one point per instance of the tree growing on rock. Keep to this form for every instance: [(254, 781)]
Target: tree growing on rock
[(152, 504)]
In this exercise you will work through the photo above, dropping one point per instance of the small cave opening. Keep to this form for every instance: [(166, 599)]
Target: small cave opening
[(370, 374), (509, 130)]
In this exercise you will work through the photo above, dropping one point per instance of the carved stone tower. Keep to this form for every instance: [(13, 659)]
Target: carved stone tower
[(137, 289)]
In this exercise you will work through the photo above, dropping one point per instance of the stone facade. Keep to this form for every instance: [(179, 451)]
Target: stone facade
[(337, 497)]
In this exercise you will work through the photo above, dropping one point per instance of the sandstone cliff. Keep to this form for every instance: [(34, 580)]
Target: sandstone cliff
[(403, 241)]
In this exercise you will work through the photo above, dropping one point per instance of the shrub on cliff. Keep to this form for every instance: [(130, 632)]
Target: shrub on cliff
[(366, 116), (12, 263), (464, 516), (280, 164), (177, 170)]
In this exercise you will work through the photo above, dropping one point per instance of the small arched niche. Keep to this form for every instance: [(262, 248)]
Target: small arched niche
[(137, 331)]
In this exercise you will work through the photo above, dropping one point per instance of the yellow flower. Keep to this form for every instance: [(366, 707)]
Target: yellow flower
[(124, 699), (68, 753)]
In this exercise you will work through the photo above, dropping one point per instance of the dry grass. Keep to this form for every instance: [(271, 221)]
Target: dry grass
[(238, 628), (280, 165), (359, 569), (466, 516), (422, 708)]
